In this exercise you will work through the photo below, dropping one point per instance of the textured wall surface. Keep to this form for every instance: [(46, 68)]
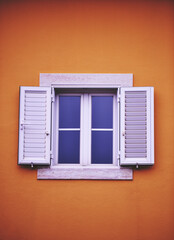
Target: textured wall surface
[(87, 37)]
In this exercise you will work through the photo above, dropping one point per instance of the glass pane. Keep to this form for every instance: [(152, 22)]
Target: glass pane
[(102, 147), (69, 147), (102, 112), (69, 112)]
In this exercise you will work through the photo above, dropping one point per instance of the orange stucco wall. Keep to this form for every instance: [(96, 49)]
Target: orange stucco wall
[(87, 37)]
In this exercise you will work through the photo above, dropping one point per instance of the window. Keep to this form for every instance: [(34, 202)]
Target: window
[(86, 126)]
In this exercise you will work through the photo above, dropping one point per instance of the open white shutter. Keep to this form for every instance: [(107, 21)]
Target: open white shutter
[(137, 126), (34, 125)]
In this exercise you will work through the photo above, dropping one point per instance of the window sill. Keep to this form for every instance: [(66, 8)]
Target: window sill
[(107, 173)]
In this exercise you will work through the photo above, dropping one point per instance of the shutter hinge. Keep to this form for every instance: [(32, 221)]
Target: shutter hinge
[(52, 94), (51, 156), (52, 97), (118, 158), (118, 98)]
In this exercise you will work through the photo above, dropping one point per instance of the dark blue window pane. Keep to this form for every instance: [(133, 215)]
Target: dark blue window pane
[(102, 147), (102, 112), (69, 112), (69, 147)]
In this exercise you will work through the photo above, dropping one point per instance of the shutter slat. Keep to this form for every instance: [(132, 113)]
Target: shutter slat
[(34, 150), (135, 117), (135, 132), (34, 122), (34, 131), (143, 95), (41, 118), (135, 136), (136, 104), (35, 109), (136, 150), (137, 126), (34, 155), (34, 136), (35, 104), (135, 100), (35, 100), (34, 125), (38, 127), (137, 145), (135, 114), (30, 140), (128, 123), (135, 141), (135, 155), (30, 113), (35, 145), (30, 95), (135, 93), (135, 109)]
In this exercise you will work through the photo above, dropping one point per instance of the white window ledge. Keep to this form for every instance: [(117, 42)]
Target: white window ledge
[(106, 173), (91, 80)]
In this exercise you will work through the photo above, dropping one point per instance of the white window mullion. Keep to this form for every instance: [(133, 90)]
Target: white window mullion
[(85, 135)]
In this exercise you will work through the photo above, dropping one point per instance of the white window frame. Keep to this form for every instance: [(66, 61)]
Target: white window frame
[(99, 81), (85, 128)]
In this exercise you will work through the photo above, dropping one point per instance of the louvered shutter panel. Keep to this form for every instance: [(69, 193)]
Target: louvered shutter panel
[(137, 126), (34, 125)]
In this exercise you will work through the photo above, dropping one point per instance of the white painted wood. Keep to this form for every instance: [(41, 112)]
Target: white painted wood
[(137, 132), (108, 173), (81, 128), (79, 80), (85, 123), (34, 128)]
